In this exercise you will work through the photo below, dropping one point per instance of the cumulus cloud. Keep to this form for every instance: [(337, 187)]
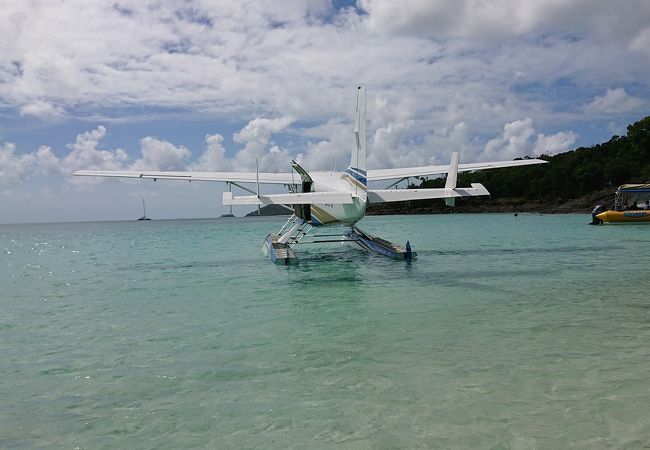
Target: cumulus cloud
[(440, 144), (13, 167), (615, 101), (556, 143), (516, 141), (513, 142), (17, 168), (42, 109), (255, 137), (329, 148), (46, 161), (155, 154), (160, 155), (85, 154), (213, 158)]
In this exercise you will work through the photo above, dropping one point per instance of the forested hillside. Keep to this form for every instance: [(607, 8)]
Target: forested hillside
[(572, 182), (623, 159)]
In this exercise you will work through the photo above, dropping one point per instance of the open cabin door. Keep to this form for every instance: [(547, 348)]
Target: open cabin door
[(303, 211)]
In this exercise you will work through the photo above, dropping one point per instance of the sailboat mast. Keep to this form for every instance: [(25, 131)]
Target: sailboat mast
[(144, 210)]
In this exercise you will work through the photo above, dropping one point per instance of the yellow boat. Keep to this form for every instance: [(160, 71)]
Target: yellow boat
[(629, 203), (624, 216)]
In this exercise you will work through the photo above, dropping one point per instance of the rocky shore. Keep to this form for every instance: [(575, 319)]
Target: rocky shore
[(477, 205), (501, 205)]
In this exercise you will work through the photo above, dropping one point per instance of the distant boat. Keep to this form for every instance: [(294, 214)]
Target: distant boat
[(629, 206), (144, 212)]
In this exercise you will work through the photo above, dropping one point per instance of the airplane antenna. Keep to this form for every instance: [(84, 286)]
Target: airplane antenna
[(257, 180)]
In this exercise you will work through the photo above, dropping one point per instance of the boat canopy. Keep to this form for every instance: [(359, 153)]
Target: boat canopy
[(634, 188), (627, 194)]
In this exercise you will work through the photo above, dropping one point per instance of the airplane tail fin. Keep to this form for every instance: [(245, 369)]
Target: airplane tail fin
[(452, 178), (356, 172)]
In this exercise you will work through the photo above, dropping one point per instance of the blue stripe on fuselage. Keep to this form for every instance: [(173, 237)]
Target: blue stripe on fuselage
[(357, 174)]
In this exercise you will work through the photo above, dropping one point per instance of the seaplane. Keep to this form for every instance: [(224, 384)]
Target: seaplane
[(325, 199)]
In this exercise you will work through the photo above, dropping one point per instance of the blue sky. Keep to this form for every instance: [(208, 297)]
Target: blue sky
[(215, 85)]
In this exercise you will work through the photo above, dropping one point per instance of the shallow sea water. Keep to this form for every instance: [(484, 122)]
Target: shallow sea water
[(506, 332)]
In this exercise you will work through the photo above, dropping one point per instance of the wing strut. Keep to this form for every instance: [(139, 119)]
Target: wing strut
[(452, 179)]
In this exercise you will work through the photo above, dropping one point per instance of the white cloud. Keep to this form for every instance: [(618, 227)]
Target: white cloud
[(439, 146), (642, 41), (256, 137), (442, 75), (39, 108), (14, 168), (84, 153), (613, 102), (301, 59), (501, 18), (213, 158), (556, 143), (18, 168), (331, 146), (389, 146), (516, 142), (160, 155), (46, 161)]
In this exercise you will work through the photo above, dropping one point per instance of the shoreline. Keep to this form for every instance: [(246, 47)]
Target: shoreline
[(579, 205), (583, 204)]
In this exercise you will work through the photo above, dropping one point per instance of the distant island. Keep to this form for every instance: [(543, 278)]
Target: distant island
[(270, 210), (572, 182)]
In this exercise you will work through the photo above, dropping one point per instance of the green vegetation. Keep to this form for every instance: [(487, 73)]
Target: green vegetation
[(623, 159)]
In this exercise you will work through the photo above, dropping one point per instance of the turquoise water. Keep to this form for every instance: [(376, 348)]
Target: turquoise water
[(507, 332)]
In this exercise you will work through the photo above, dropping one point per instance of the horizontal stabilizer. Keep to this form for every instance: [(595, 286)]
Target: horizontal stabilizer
[(306, 198), (398, 195)]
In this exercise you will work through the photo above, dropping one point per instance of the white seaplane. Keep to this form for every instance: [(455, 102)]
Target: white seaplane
[(332, 198)]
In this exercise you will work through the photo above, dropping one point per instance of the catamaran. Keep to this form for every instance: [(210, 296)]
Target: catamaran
[(321, 199)]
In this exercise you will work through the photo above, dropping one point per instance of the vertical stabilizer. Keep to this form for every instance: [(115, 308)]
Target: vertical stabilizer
[(452, 178), (357, 169)]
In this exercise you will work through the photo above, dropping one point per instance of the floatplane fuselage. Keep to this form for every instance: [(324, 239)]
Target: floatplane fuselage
[(319, 199)]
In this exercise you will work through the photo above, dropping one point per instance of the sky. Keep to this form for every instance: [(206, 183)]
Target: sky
[(217, 85)]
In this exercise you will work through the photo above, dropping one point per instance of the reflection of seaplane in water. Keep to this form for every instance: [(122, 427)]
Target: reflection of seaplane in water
[(332, 198)]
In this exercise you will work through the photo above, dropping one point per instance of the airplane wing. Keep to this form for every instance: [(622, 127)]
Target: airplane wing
[(450, 192), (234, 177), (406, 172)]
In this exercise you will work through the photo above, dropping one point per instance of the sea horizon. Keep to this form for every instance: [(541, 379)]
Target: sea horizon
[(470, 213)]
